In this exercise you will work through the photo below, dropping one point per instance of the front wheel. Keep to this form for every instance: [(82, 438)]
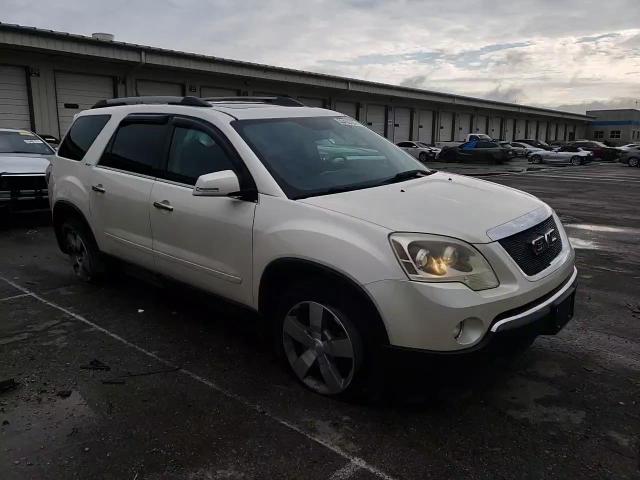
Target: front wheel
[(634, 162), (536, 159), (575, 161), (422, 157), (82, 249)]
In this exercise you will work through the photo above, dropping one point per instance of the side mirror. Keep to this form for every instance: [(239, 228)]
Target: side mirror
[(217, 184)]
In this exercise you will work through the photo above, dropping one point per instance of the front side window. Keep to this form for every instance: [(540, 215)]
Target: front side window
[(136, 148), (81, 136), (22, 141), (324, 155), (194, 153)]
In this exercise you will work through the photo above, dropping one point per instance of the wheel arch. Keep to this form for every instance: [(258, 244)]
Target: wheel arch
[(290, 269), (60, 212)]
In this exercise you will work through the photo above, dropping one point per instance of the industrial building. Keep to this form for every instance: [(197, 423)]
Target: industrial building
[(619, 127), (47, 77)]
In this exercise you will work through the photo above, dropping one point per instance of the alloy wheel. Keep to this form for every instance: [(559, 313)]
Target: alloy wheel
[(79, 255), (318, 348), (633, 162)]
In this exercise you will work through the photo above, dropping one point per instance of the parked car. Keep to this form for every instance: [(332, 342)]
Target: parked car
[(419, 150), (53, 142), (24, 157), (558, 143), (600, 150), (627, 147), (524, 149), (631, 157), (567, 155), (476, 151), (351, 263), (511, 150), (535, 143)]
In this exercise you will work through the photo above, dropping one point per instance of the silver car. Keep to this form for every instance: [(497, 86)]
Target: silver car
[(564, 155), (420, 150), (24, 158)]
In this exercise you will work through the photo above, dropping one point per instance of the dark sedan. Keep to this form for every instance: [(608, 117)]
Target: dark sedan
[(476, 152), (600, 150)]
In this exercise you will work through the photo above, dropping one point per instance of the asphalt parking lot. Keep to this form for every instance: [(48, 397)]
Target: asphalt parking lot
[(137, 379)]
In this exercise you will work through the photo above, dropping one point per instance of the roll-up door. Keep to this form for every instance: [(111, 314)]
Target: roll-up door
[(312, 102), (542, 131), (481, 124), (14, 98), (151, 87), (580, 131), (425, 126), (521, 127), (561, 131), (571, 132), (494, 128), (508, 129), (208, 92), (401, 124), (76, 92), (463, 126), (551, 131), (446, 126), (376, 118), (531, 128), (348, 108)]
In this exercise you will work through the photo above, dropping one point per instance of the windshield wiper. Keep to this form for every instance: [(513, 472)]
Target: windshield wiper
[(401, 176)]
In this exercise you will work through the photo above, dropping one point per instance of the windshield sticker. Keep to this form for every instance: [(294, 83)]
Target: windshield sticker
[(32, 141), (347, 121), (25, 133)]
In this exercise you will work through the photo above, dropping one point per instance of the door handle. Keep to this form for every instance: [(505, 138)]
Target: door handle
[(163, 205), (98, 188)]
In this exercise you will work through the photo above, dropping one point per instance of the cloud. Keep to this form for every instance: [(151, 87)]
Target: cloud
[(545, 52)]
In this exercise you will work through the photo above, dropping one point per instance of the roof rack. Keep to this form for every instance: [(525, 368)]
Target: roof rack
[(152, 100), (281, 101)]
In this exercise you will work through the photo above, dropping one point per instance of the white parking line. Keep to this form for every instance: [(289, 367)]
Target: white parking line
[(586, 178), (14, 296), (356, 461), (345, 472)]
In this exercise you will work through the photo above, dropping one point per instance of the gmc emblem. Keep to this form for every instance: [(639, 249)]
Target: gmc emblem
[(542, 243)]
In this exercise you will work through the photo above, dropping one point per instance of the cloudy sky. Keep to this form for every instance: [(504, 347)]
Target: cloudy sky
[(567, 54)]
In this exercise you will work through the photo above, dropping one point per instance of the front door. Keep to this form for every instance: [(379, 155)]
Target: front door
[(203, 241), (121, 185)]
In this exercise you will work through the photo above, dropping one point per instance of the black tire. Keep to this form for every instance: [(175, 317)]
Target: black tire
[(537, 159), (634, 162), (86, 259), (576, 160), (422, 157), (366, 380)]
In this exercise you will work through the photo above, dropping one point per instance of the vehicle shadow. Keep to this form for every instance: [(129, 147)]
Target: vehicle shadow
[(21, 220)]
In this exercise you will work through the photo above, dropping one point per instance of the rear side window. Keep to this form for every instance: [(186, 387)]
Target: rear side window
[(136, 148), (81, 136)]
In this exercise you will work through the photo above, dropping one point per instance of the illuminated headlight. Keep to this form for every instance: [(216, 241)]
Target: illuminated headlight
[(432, 258)]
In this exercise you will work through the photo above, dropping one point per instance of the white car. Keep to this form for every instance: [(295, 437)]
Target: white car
[(350, 260), (420, 150), (568, 155), (524, 149), (24, 158)]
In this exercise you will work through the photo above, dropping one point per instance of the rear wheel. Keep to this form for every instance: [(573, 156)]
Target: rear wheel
[(536, 159), (576, 160), (422, 157), (82, 249), (634, 162)]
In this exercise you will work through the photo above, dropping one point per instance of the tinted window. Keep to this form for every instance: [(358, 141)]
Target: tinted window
[(487, 145), (405, 144), (194, 153), (137, 148), (81, 136), (23, 142)]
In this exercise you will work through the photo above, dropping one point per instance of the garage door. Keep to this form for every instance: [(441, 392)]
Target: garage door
[(551, 132), (494, 128), (14, 98), (312, 102), (446, 127), (542, 131), (425, 126), (151, 87), (561, 131), (376, 118), (348, 108), (481, 124), (463, 126), (76, 92), (206, 92), (520, 133), (508, 129), (401, 124)]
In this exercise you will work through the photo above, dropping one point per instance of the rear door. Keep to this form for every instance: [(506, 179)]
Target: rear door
[(121, 185), (204, 241)]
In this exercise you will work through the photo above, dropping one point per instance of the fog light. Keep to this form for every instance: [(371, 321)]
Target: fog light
[(468, 331)]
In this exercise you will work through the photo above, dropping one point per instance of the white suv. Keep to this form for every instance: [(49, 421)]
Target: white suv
[(351, 247)]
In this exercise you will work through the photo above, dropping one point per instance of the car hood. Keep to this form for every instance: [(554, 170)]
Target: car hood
[(441, 203), (23, 163)]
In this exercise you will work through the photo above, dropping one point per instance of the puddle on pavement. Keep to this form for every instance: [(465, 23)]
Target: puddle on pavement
[(580, 243), (602, 228)]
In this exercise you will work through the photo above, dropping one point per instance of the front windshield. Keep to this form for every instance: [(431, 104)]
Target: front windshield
[(23, 142), (323, 155)]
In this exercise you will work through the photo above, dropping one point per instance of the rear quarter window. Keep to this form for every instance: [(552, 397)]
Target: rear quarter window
[(81, 136)]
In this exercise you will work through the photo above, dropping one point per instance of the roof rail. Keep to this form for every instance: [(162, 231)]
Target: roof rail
[(281, 101), (152, 100)]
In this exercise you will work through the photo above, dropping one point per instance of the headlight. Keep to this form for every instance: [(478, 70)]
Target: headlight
[(432, 258)]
